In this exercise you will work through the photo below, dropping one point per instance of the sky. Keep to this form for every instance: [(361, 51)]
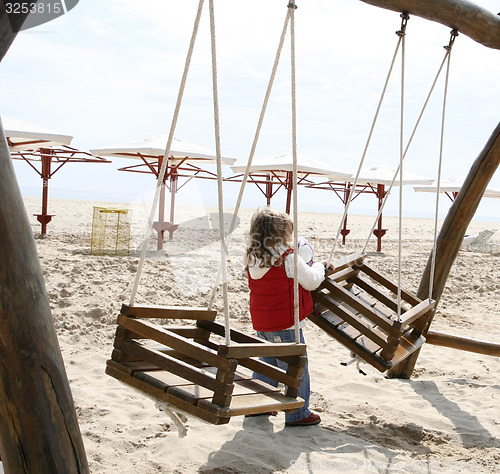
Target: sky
[(109, 71)]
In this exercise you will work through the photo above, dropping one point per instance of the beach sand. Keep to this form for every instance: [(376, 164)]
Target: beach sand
[(445, 419)]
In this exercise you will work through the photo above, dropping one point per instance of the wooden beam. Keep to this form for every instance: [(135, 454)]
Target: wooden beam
[(463, 343), (453, 231), (38, 425), (466, 17)]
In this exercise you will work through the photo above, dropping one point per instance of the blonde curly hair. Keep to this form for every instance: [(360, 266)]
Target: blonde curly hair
[(268, 229)]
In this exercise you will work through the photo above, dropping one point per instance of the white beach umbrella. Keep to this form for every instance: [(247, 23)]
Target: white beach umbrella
[(384, 174), (29, 136), (154, 147), (283, 164), (182, 162), (451, 187), (278, 170), (373, 180)]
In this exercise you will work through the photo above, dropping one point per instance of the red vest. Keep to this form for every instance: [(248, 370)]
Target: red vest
[(272, 299)]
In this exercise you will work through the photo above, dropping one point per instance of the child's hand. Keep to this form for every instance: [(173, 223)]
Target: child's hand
[(329, 268)]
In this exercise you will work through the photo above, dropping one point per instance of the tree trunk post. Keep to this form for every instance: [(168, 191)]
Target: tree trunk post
[(39, 431), (452, 234)]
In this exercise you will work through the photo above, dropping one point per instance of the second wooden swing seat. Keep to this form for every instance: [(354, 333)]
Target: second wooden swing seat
[(189, 368), (357, 305)]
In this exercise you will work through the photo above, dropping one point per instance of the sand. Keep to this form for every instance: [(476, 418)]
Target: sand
[(445, 419)]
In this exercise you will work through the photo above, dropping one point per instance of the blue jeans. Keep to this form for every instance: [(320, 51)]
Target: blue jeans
[(287, 335)]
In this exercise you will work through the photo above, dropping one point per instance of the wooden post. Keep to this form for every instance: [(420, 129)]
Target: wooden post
[(10, 24), (468, 18), (38, 425), (452, 233)]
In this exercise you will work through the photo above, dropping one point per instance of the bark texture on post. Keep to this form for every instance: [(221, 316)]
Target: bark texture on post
[(453, 231), (39, 431), (466, 17)]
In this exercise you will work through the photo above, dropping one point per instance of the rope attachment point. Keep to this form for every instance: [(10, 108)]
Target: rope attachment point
[(292, 5), (404, 21), (453, 35)]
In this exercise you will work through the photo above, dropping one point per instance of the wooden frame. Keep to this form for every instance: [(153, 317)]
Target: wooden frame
[(197, 375)]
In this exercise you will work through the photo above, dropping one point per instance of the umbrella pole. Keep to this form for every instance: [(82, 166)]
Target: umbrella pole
[(289, 188), (44, 218), (379, 232), (173, 190), (269, 189), (345, 231), (161, 217)]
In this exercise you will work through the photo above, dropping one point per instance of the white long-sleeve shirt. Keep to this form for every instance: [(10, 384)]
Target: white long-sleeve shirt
[(310, 277)]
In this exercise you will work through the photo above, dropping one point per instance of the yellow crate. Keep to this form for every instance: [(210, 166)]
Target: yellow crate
[(111, 231)]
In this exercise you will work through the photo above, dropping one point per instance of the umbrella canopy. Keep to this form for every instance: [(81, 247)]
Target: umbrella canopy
[(283, 164), (28, 136), (451, 188), (384, 174), (277, 171), (182, 162), (46, 151), (154, 147)]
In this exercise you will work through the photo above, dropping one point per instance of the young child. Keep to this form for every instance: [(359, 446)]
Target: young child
[(269, 261)]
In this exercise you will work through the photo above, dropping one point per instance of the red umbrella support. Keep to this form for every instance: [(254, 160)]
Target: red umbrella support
[(47, 157)]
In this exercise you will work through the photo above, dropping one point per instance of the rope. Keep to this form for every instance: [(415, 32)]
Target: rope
[(296, 310), (252, 151), (161, 175), (401, 131), (434, 247), (348, 203), (407, 148), (223, 249)]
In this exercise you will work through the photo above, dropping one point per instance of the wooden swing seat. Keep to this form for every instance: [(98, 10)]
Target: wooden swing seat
[(361, 313), (190, 369)]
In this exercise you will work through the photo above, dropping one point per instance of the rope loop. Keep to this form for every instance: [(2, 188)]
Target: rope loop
[(404, 21), (292, 5), (453, 35)]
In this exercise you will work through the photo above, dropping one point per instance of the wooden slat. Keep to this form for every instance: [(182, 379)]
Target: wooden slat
[(188, 332), (345, 274), (169, 312), (177, 367), (263, 402), (349, 260), (131, 367), (376, 293), (361, 350), (179, 343), (408, 345), (416, 312), (261, 350), (243, 338), (209, 413), (371, 332), (366, 310), (377, 276)]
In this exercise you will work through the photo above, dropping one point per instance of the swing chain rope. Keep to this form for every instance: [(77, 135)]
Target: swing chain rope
[(253, 148), (296, 309), (417, 123), (400, 33), (161, 174), (223, 247), (448, 49)]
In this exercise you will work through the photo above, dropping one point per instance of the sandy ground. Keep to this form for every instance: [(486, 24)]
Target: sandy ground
[(445, 419)]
